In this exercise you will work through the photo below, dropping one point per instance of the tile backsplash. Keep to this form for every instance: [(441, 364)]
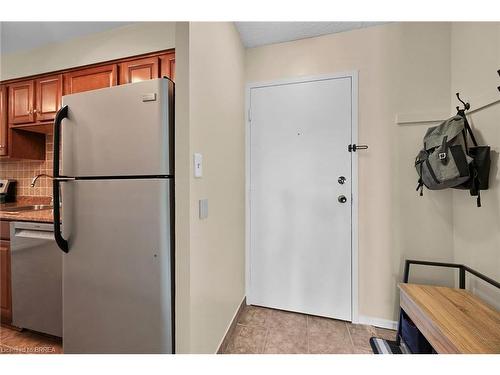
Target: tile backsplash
[(23, 171)]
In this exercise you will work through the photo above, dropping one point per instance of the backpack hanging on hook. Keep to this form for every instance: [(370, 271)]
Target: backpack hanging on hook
[(446, 161)]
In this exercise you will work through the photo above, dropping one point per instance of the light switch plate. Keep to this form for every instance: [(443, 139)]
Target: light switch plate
[(203, 207), (198, 165)]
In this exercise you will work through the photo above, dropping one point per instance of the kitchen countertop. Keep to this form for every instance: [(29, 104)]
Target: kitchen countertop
[(42, 216)]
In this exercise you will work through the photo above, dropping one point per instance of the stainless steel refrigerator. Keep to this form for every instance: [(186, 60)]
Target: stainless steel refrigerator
[(113, 218)]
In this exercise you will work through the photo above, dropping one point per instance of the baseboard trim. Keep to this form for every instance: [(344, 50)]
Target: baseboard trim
[(378, 322), (231, 327)]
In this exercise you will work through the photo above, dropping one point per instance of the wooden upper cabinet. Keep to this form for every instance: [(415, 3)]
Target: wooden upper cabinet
[(139, 70), (90, 79), (21, 101), (48, 97), (5, 283), (34, 100), (28, 105), (3, 121), (167, 65)]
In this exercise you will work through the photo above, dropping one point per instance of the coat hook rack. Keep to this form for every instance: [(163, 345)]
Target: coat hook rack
[(498, 71), (466, 105)]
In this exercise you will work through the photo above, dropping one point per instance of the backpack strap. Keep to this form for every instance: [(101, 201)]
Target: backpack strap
[(461, 113), (420, 183), (443, 152), (475, 189), (420, 186), (475, 186), (464, 135)]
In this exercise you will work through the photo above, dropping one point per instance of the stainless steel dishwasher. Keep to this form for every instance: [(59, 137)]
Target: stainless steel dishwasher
[(36, 269)]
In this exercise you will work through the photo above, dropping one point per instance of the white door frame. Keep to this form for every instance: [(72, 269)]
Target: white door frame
[(353, 76)]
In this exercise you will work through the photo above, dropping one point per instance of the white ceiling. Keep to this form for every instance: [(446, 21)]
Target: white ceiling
[(254, 34), (20, 36)]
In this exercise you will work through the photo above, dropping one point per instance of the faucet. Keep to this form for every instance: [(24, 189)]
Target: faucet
[(33, 181)]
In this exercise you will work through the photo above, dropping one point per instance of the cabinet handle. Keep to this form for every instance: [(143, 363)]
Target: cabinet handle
[(30, 112), (34, 111)]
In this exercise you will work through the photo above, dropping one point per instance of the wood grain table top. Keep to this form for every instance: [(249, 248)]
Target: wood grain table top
[(452, 320)]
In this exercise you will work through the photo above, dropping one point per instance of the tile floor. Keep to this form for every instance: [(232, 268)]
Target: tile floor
[(27, 342), (262, 330), (258, 330)]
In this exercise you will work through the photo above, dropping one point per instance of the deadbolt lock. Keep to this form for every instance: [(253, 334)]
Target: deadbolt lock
[(342, 198), (341, 180)]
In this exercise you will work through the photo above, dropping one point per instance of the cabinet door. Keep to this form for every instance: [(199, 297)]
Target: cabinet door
[(90, 79), (139, 70), (48, 97), (21, 102), (3, 121), (167, 68), (5, 288)]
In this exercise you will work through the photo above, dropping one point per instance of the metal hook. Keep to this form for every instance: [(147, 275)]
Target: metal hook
[(466, 105)]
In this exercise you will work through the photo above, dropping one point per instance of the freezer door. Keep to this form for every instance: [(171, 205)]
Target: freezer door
[(116, 275), (121, 130)]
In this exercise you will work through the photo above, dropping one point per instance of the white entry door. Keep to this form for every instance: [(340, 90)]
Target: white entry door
[(300, 197)]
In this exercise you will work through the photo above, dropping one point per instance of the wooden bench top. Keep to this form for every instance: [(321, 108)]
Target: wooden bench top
[(452, 320)]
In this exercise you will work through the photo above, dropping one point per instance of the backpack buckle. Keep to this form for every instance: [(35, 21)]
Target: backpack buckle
[(442, 155)]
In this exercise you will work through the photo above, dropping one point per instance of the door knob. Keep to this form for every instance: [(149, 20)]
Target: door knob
[(342, 199), (341, 180)]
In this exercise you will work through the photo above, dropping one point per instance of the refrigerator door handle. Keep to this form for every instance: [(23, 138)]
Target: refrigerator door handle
[(56, 181)]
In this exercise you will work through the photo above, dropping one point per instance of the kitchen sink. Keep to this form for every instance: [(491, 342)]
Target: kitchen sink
[(34, 207)]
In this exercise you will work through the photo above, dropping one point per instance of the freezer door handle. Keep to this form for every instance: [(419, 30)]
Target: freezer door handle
[(56, 181)]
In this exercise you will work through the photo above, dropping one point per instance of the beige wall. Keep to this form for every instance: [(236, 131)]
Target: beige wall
[(403, 68), (475, 52), (182, 190), (129, 40), (212, 250)]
